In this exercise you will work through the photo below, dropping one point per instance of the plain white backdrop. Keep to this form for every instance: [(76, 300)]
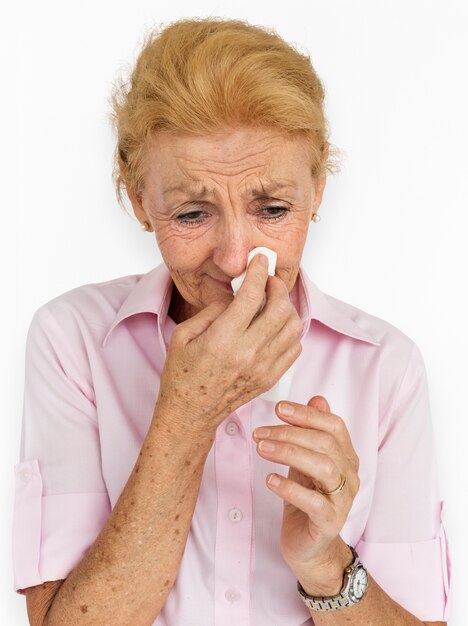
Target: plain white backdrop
[(393, 235)]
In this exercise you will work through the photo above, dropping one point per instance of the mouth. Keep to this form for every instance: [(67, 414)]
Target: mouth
[(222, 283)]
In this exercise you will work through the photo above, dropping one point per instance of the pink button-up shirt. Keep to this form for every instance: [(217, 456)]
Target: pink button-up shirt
[(93, 361)]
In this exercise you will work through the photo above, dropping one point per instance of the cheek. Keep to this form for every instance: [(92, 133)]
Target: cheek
[(290, 244), (187, 249), (181, 251), (294, 239), (290, 248)]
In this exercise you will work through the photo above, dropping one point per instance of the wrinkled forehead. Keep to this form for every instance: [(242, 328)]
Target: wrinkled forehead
[(263, 164), (199, 190)]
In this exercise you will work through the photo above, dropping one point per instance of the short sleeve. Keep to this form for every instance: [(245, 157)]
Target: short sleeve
[(404, 545), (61, 502)]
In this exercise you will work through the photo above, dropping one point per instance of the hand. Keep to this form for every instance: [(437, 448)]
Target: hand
[(227, 355), (317, 447)]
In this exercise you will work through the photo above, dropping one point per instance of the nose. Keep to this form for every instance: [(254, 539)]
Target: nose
[(233, 242)]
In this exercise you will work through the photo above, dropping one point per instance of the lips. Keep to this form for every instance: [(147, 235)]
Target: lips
[(222, 283)]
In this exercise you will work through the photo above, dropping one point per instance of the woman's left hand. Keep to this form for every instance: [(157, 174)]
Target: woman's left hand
[(317, 447)]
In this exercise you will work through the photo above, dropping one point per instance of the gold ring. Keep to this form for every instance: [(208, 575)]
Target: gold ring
[(338, 489)]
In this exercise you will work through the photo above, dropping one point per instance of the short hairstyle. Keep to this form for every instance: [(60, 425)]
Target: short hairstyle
[(203, 75)]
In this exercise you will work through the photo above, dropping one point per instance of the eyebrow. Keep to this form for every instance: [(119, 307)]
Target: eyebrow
[(267, 188)]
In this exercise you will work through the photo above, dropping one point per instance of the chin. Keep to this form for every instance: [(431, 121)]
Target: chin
[(204, 297)]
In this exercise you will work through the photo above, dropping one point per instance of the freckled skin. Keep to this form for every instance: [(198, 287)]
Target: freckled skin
[(230, 164)]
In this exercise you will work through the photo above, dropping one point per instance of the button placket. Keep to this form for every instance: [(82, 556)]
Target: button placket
[(234, 519)]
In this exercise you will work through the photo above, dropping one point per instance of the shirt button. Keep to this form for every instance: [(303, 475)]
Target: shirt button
[(235, 515), (232, 428), (25, 474), (232, 595)]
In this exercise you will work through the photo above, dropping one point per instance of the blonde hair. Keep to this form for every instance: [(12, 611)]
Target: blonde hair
[(201, 75)]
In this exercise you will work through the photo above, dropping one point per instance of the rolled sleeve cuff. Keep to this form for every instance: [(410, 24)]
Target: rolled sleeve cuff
[(51, 533), (415, 575)]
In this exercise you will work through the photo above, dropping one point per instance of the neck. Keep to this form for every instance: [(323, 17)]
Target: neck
[(179, 309)]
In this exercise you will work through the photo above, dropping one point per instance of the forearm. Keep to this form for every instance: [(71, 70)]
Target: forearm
[(375, 609), (126, 576)]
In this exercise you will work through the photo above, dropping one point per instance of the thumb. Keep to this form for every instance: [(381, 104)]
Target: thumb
[(197, 324), (320, 403)]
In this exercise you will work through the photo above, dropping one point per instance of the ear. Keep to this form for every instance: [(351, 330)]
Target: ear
[(137, 205), (134, 197)]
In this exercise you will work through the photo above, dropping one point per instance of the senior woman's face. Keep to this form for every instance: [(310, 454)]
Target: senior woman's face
[(210, 200)]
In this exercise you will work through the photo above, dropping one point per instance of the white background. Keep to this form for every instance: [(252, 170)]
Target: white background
[(393, 235)]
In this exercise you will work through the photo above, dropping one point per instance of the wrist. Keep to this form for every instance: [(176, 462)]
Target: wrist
[(179, 426), (326, 578)]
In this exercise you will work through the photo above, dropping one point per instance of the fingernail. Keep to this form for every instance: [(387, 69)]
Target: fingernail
[(285, 408), (266, 446), (262, 433), (274, 480)]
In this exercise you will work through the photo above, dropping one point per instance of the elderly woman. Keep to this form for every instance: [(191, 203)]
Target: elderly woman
[(197, 457)]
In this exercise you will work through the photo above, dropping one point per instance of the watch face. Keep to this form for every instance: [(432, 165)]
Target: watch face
[(359, 583)]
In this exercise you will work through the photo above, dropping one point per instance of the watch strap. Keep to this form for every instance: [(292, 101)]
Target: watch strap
[(318, 603), (339, 601)]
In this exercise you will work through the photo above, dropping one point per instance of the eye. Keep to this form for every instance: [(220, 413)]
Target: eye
[(270, 214), (191, 218), (279, 212)]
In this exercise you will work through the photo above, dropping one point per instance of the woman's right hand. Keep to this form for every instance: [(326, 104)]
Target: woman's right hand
[(225, 355)]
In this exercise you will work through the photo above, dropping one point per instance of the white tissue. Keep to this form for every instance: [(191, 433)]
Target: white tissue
[(270, 254), (280, 390)]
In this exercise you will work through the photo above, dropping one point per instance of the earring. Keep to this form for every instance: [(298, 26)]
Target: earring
[(316, 217), (145, 225)]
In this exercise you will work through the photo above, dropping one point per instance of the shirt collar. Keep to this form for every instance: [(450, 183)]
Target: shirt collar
[(152, 294), (314, 304)]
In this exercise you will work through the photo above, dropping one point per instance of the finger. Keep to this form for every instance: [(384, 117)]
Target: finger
[(320, 403), (277, 311), (249, 298), (317, 506), (277, 340), (198, 324), (281, 364), (309, 438), (310, 417), (322, 469), (316, 441)]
